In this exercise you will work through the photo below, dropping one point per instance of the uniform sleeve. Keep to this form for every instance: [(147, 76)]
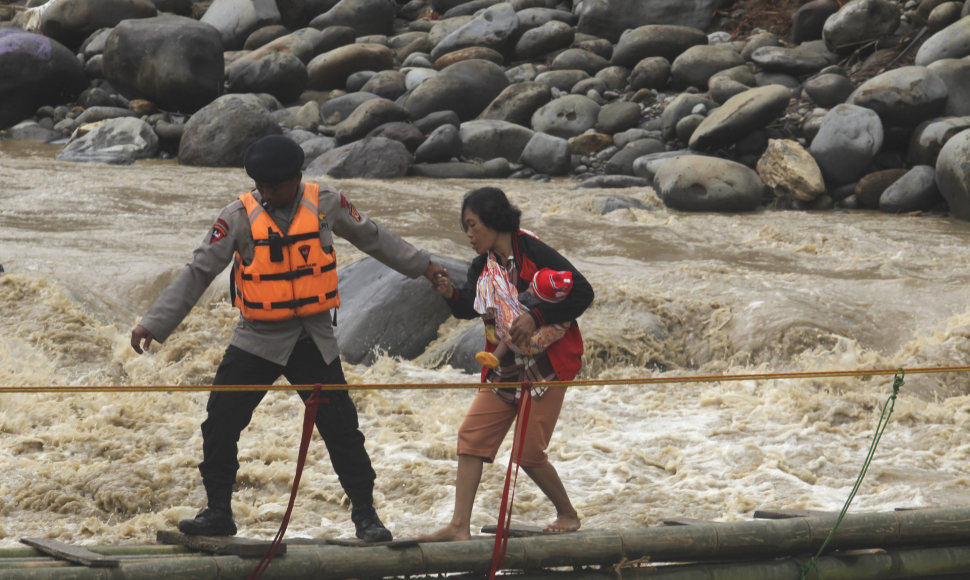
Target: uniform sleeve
[(370, 237), (578, 299), (209, 259)]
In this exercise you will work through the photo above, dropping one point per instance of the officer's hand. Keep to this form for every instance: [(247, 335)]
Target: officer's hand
[(141, 339)]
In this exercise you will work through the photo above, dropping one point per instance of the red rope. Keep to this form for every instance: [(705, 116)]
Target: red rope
[(508, 493), (309, 419)]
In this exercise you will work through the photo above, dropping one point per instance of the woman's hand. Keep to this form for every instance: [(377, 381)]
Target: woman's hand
[(441, 283), (522, 329)]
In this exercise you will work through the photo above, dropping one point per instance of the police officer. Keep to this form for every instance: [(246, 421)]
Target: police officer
[(279, 239)]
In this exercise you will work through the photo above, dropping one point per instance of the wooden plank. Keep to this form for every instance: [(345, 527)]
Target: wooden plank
[(75, 554), (221, 545), (520, 532), (358, 543), (685, 522)]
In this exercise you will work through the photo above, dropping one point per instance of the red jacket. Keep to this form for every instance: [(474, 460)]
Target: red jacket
[(532, 254)]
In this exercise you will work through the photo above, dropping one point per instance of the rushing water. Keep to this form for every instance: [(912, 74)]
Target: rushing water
[(87, 247)]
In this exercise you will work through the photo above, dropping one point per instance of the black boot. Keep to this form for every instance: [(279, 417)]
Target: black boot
[(369, 526), (209, 522)]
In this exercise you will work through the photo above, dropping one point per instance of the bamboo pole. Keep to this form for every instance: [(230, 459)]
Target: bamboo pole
[(696, 542)]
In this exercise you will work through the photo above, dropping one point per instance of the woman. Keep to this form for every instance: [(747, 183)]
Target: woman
[(492, 226)]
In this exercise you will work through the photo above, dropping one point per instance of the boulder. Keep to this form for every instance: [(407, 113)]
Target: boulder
[(953, 174), (846, 143), (904, 96), (330, 69), (701, 183), (71, 22), (237, 19), (566, 116), (219, 133), (466, 88), (371, 157), (119, 141), (366, 17), (740, 116), (790, 171), (610, 18)]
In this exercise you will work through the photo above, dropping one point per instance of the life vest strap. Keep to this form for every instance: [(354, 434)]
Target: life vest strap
[(288, 240), (291, 275), (288, 304)]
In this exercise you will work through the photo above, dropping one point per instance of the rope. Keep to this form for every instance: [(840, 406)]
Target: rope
[(887, 411), (309, 419), (508, 492), (478, 385)]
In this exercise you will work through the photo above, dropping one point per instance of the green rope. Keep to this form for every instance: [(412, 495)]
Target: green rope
[(887, 410)]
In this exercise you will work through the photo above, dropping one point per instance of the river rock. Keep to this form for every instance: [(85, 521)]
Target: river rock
[(366, 17), (493, 28), (119, 141), (847, 140), (330, 69), (679, 107), (35, 71), (951, 42), (549, 37), (401, 132), (807, 22), (277, 72), (790, 171), (795, 61), (469, 53), (386, 313), (610, 18), (563, 80), (953, 174), (650, 73), (859, 22), (739, 116), (929, 137), (235, 20), (173, 61), (621, 162), (218, 134), (695, 66), (828, 89), (956, 76), (73, 21), (389, 84), (369, 115), (371, 157), (339, 108), (655, 40), (546, 154), (567, 116), (466, 88), (904, 97), (701, 183), (443, 144), (914, 191), (485, 140), (449, 170), (517, 103), (869, 189)]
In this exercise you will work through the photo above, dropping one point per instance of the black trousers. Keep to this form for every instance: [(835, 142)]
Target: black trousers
[(229, 412)]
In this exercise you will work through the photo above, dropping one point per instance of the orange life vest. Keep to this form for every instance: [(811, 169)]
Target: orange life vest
[(291, 275)]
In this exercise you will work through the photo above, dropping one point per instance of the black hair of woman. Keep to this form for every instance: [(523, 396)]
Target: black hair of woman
[(493, 208)]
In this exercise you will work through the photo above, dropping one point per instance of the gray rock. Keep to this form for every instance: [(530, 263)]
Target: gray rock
[(929, 137), (614, 182), (385, 312), (492, 139), (566, 116), (646, 166), (695, 66), (369, 115), (337, 109), (279, 73), (218, 134), (618, 116), (650, 73), (443, 144), (493, 28), (371, 157), (956, 76), (829, 89), (914, 191), (610, 18), (549, 37), (682, 105), (740, 116), (621, 162), (432, 121), (953, 174), (237, 19), (794, 61), (808, 20), (517, 103), (173, 61), (579, 59), (450, 170), (846, 143), (389, 84), (315, 147), (951, 42), (400, 131), (331, 69), (701, 183), (366, 17), (655, 40), (466, 88), (119, 141), (903, 97), (546, 154), (30, 130), (859, 22), (70, 23), (563, 80)]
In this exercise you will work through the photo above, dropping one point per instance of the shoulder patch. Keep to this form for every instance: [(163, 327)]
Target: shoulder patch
[(345, 203), (220, 229)]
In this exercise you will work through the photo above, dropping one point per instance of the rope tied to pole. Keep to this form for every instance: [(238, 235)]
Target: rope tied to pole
[(887, 411)]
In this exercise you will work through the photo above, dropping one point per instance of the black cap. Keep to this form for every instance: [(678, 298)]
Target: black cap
[(273, 159)]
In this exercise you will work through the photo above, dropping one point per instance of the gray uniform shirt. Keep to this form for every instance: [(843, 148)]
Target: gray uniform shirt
[(231, 233)]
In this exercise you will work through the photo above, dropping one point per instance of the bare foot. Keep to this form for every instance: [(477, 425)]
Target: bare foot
[(449, 533), (563, 523)]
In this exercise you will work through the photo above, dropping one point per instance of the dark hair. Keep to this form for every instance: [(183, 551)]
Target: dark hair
[(493, 208)]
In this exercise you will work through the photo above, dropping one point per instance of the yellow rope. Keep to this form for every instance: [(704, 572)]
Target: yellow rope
[(477, 385)]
